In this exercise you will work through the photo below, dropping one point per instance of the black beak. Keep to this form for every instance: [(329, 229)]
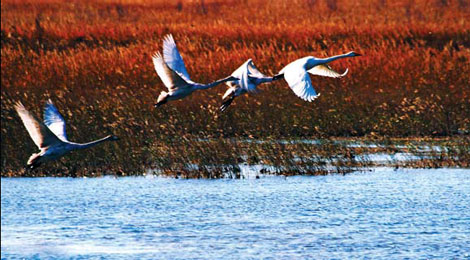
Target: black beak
[(278, 76)]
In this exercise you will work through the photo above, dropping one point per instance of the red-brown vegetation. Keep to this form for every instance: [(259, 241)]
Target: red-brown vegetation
[(93, 60)]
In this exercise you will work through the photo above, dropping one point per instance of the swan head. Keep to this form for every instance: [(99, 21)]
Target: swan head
[(112, 138), (353, 54)]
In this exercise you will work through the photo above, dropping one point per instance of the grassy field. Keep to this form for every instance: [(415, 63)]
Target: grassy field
[(93, 59)]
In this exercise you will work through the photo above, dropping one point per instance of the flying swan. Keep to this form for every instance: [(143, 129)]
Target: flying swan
[(172, 71), (296, 76), (50, 136), (248, 78)]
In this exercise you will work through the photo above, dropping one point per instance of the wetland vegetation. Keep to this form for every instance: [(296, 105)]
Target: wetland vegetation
[(408, 94)]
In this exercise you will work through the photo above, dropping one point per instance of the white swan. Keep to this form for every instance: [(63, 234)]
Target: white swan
[(174, 75), (249, 77), (50, 136), (296, 76)]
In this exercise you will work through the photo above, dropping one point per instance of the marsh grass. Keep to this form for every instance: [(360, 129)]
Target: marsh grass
[(93, 60)]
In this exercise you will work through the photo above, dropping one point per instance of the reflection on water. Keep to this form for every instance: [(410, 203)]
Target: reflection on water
[(379, 214)]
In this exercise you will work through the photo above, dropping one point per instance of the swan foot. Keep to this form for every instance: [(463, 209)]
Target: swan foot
[(226, 104), (159, 104), (30, 167), (162, 99)]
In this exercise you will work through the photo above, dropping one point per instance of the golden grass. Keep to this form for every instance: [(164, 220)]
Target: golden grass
[(93, 60)]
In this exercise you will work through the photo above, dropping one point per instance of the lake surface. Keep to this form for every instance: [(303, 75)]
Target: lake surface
[(380, 214)]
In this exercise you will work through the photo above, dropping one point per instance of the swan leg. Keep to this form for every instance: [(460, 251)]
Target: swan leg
[(30, 167), (158, 104), (227, 103)]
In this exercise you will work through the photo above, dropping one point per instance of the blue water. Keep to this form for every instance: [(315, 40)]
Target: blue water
[(382, 214)]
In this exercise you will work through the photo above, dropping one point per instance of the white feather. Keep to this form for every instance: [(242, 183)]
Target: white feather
[(173, 58), (172, 71), (41, 134), (296, 74), (54, 121), (326, 71)]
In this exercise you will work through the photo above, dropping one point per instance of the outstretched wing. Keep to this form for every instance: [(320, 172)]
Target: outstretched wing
[(240, 70), (40, 133), (256, 76), (326, 71), (253, 70), (54, 120), (244, 80), (249, 76), (301, 84), (172, 57), (247, 81), (299, 81), (169, 77)]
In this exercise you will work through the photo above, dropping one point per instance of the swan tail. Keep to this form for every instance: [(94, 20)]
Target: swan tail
[(162, 99), (34, 161), (226, 103)]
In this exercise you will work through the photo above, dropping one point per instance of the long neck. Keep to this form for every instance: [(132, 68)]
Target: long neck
[(333, 58), (91, 144), (215, 83)]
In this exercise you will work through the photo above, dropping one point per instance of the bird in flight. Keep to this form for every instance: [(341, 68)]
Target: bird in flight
[(50, 136), (249, 77), (296, 73), (172, 71)]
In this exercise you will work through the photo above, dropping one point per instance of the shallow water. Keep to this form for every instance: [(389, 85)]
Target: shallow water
[(379, 214)]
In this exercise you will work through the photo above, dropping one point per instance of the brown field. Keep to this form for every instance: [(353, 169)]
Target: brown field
[(93, 59)]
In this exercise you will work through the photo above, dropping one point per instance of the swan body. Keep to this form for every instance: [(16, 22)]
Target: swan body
[(172, 71), (248, 79), (50, 136), (296, 73)]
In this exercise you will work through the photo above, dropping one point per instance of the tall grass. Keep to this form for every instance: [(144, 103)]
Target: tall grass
[(93, 60)]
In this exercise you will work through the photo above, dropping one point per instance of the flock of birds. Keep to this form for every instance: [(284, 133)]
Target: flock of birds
[(51, 138)]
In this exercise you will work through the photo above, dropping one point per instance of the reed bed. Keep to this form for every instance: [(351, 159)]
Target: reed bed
[(93, 60)]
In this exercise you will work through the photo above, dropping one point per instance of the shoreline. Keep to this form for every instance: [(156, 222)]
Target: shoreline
[(232, 158)]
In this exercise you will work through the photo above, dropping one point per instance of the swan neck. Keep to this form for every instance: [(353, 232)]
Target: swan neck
[(332, 58), (90, 144), (215, 83)]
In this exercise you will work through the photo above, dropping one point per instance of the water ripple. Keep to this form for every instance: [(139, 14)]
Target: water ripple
[(380, 214)]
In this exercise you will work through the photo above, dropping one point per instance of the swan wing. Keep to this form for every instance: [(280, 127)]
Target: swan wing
[(249, 77), (172, 79), (40, 133), (54, 121), (256, 77), (254, 71), (172, 57), (240, 70), (241, 73), (326, 71), (244, 80), (299, 81)]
